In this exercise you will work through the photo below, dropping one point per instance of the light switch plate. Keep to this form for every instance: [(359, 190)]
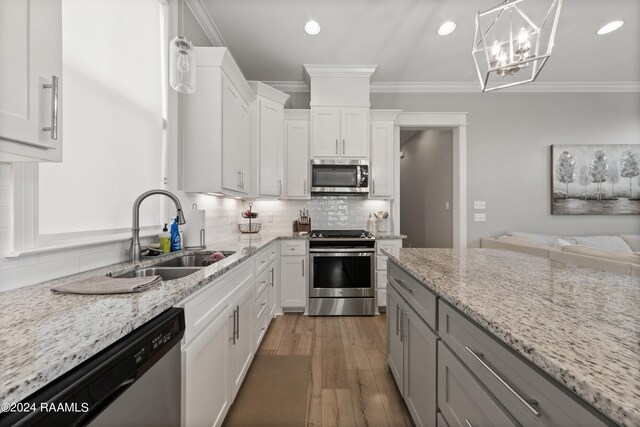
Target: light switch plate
[(479, 217), (479, 204)]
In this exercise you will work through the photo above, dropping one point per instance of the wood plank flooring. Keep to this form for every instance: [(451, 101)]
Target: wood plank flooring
[(350, 384)]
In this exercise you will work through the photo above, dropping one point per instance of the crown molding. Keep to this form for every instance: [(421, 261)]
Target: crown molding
[(266, 91), (289, 87), (417, 87), (314, 70), (205, 20)]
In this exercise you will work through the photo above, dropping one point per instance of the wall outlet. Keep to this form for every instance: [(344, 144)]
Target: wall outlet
[(479, 217), (479, 204)]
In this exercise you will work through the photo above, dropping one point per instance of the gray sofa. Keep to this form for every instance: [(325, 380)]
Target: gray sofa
[(614, 253)]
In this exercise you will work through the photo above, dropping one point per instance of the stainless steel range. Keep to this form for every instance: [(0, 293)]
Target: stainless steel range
[(341, 271)]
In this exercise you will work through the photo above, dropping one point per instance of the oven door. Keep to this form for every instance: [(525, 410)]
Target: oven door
[(341, 274)]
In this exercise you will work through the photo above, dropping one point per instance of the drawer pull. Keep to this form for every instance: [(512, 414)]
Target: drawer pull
[(263, 304), (403, 286), (468, 423), (397, 318), (527, 403)]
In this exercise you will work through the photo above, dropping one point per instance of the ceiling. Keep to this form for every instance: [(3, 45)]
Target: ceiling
[(268, 41)]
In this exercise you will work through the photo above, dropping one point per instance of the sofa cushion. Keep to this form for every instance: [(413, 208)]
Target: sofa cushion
[(520, 241), (581, 260), (620, 256), (538, 239), (610, 243), (633, 240)]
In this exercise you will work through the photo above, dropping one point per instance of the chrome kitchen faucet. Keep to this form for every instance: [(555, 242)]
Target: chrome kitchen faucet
[(135, 227)]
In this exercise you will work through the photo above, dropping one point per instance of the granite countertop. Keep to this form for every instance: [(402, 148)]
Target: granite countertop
[(52, 333), (388, 236), (579, 325)]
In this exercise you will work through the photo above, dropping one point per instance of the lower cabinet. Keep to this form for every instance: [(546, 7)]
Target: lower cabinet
[(241, 342), (294, 267), (463, 400), (206, 393), (412, 358)]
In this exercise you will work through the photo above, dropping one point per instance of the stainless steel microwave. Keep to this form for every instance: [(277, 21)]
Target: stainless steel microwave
[(339, 176)]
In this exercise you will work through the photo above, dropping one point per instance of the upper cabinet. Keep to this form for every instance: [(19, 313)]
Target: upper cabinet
[(31, 80), (267, 126), (297, 154), (383, 153), (215, 154), (340, 132)]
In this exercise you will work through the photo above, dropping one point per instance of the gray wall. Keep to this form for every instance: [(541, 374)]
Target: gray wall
[(193, 31), (426, 184)]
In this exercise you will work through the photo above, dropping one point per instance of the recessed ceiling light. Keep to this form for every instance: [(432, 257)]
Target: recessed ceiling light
[(610, 27), (447, 28), (312, 27)]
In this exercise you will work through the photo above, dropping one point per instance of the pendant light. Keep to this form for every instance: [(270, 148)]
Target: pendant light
[(513, 41), (182, 62)]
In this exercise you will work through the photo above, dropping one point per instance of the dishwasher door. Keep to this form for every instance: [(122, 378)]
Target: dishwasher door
[(153, 400)]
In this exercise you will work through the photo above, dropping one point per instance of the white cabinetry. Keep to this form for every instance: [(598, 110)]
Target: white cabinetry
[(241, 350), (216, 136), (30, 80), (293, 274), (297, 154), (383, 153), (391, 245), (267, 124), (340, 132)]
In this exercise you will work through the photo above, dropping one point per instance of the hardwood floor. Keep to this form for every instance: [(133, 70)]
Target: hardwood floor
[(350, 384)]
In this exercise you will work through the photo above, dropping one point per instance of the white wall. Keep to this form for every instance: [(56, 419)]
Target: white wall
[(5, 204), (426, 184)]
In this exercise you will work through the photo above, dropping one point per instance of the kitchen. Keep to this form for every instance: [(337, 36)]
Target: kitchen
[(314, 184)]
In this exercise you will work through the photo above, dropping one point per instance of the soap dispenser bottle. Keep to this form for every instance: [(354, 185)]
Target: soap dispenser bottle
[(165, 240), (176, 243)]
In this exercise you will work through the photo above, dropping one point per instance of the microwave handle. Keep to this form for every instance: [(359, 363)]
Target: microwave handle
[(358, 175)]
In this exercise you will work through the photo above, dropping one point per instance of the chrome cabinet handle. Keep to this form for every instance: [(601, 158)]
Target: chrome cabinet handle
[(242, 178), (233, 334), (280, 187), (272, 276), (238, 181), (373, 186), (402, 335), (238, 317), (397, 318), (468, 423), (54, 107), (303, 267), (403, 286), (343, 146), (337, 151), (527, 403)]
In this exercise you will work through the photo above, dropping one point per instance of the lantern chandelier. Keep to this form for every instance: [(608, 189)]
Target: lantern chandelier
[(513, 41)]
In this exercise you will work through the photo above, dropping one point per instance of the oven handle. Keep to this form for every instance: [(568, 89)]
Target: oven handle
[(350, 250)]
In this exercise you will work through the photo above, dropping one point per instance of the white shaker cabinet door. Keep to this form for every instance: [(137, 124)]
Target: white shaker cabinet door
[(270, 130), (325, 141), (30, 73), (355, 132), (293, 272), (297, 160), (382, 157), (242, 344)]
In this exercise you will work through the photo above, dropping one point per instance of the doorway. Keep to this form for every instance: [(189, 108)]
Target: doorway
[(426, 187)]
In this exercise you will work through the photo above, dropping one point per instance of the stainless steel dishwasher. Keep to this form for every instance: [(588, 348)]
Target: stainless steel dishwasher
[(134, 382)]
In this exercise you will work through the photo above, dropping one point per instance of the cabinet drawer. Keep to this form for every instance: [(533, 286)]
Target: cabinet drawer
[(293, 247), (381, 280), (513, 380), (388, 245), (203, 306), (262, 281), (381, 263), (261, 328), (262, 305), (422, 300), (463, 400), (265, 256)]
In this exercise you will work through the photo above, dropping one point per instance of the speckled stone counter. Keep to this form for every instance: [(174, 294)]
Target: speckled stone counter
[(581, 326), (47, 334), (389, 236)]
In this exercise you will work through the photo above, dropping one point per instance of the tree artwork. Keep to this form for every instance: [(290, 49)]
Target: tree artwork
[(598, 170), (614, 178), (583, 179), (588, 170), (566, 170), (629, 168)]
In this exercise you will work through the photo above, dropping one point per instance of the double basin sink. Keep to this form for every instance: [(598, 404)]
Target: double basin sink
[(176, 268)]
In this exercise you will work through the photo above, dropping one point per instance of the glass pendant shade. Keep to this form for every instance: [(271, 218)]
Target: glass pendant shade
[(182, 65), (513, 41)]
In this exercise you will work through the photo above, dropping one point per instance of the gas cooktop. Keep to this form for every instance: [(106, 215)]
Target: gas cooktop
[(341, 234)]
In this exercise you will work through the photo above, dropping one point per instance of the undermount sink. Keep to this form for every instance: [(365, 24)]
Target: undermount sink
[(165, 273), (198, 260)]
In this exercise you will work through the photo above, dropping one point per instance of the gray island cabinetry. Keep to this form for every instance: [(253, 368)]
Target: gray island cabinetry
[(453, 370)]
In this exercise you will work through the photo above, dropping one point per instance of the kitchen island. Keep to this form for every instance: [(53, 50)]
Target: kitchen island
[(578, 326)]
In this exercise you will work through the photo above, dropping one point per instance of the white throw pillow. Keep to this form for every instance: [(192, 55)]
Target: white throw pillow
[(633, 240), (609, 243)]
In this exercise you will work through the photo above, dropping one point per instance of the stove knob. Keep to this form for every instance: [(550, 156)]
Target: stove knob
[(320, 235), (363, 236), (313, 236)]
